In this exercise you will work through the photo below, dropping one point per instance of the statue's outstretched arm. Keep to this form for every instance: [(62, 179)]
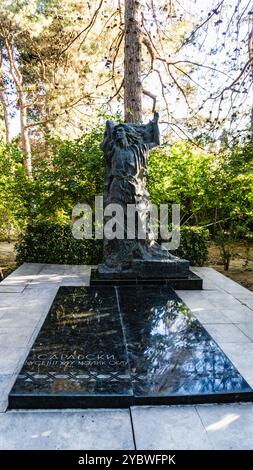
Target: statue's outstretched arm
[(107, 134), (156, 138), (109, 128)]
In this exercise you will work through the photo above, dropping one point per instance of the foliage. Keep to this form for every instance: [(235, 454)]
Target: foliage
[(12, 184), (50, 242), (179, 175), (214, 191), (194, 245), (210, 188), (71, 173)]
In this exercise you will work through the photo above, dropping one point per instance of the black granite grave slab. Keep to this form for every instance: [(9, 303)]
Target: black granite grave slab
[(105, 346)]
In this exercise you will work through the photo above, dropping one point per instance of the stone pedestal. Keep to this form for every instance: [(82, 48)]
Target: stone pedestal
[(143, 269)]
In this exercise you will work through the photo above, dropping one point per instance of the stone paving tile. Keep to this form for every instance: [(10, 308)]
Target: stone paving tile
[(18, 319), (10, 359), (212, 317), (45, 282), (241, 355), (247, 329), (239, 314), (38, 295), (3, 406), (84, 430), (77, 280), (18, 337), (226, 333), (6, 383), (229, 427), (9, 299), (11, 288), (22, 275), (223, 282), (168, 427), (247, 301), (195, 303)]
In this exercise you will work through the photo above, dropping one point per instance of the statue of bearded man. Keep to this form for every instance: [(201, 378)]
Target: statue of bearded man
[(126, 147)]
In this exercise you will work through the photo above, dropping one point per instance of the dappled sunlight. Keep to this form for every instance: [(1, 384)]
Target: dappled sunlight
[(197, 310), (42, 434), (223, 423)]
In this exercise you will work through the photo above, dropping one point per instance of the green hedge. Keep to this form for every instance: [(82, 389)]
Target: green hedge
[(194, 245), (47, 242)]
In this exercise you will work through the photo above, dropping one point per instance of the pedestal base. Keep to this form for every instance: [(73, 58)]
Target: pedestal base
[(191, 282), (157, 268)]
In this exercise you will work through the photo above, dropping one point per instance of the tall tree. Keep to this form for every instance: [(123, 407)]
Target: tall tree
[(3, 98), (132, 63), (22, 100), (250, 50)]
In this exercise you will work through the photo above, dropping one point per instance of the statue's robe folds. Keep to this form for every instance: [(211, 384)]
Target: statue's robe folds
[(126, 169)]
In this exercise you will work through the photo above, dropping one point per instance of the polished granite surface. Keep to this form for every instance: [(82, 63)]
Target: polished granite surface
[(124, 345)]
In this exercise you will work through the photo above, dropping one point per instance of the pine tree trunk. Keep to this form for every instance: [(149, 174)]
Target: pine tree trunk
[(25, 140), (250, 51), (132, 63), (24, 129), (4, 102), (6, 114)]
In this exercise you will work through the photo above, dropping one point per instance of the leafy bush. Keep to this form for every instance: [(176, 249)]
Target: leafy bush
[(50, 242), (72, 172), (194, 245), (12, 183)]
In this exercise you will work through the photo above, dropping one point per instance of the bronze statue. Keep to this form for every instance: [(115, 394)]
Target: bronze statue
[(126, 148)]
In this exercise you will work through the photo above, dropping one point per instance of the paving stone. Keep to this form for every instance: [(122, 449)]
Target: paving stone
[(229, 427), (18, 319), (241, 354), (22, 275), (247, 301), (212, 316), (8, 299), (223, 282), (84, 430), (6, 383), (18, 337), (9, 288), (168, 427), (226, 333), (247, 329), (3, 406), (238, 314), (77, 280), (11, 359)]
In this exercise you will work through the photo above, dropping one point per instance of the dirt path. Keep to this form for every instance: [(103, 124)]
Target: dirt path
[(7, 257), (241, 265)]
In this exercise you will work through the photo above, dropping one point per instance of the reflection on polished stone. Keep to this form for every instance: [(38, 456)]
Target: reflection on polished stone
[(169, 351), (80, 348), (123, 344)]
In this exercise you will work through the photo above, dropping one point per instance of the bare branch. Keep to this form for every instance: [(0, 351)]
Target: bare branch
[(86, 29), (152, 96)]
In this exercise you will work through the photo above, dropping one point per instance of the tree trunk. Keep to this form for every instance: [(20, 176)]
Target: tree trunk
[(132, 63), (4, 101), (6, 114), (25, 141), (250, 50), (250, 53), (24, 128)]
